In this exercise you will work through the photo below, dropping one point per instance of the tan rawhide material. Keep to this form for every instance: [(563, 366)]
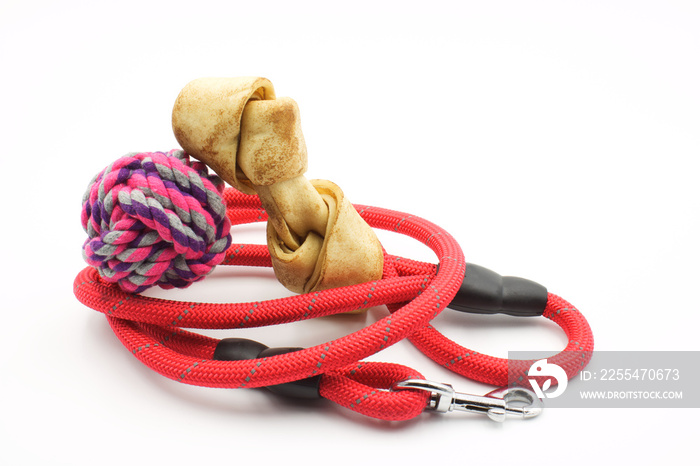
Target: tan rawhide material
[(253, 141)]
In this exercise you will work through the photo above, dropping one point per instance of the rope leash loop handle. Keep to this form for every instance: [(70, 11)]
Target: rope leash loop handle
[(503, 372)]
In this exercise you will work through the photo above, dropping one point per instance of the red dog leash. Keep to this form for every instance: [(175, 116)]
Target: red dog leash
[(414, 292)]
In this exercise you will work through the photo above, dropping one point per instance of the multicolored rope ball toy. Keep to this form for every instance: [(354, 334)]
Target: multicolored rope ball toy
[(155, 218)]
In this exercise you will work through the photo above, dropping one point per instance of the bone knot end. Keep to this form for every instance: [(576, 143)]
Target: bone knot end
[(253, 140)]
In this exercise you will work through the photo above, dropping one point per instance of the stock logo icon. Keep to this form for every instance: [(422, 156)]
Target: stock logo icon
[(542, 369)]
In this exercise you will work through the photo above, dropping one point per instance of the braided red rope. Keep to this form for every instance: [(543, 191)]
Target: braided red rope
[(414, 291), (502, 372)]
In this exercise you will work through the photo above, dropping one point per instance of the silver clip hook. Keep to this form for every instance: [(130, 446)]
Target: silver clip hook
[(496, 404)]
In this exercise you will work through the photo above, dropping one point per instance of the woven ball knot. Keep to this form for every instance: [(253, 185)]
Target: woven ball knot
[(155, 218)]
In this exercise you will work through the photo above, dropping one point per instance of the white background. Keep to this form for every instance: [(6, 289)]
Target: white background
[(555, 140)]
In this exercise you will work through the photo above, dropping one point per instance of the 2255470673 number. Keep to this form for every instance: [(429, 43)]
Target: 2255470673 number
[(639, 374)]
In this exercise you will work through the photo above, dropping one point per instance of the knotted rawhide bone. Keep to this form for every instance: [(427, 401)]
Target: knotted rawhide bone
[(317, 240)]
